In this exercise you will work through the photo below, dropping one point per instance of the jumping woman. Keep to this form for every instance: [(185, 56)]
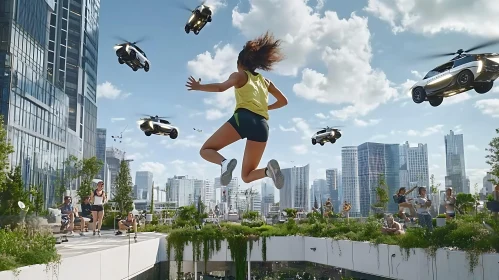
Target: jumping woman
[(98, 198), (251, 113)]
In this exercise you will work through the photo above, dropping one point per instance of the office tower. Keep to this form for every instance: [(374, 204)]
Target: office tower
[(34, 110), (375, 160), (295, 193), (332, 186), (144, 181), (113, 158), (268, 196), (182, 191), (101, 151), (208, 193), (256, 203), (232, 194), (413, 166), (340, 190), (455, 163), (488, 186), (319, 191), (350, 179), (72, 67)]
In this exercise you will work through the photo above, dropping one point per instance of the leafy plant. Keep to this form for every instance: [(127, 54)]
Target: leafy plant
[(291, 213), (433, 188), (381, 193), (465, 203), (12, 192), (37, 197), (493, 157), (124, 188), (5, 150), (89, 169), (251, 215)]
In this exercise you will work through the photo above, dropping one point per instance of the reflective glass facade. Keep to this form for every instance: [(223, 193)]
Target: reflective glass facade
[(34, 110), (72, 66), (375, 159), (101, 151)]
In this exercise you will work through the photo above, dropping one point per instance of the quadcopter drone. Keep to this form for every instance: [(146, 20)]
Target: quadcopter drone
[(198, 130), (462, 73), (327, 134), (159, 126), (201, 15), (119, 137), (132, 55)]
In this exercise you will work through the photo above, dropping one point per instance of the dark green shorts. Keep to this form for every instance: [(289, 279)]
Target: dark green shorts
[(250, 125)]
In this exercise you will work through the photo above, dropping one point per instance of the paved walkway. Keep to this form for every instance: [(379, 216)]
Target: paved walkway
[(79, 245)]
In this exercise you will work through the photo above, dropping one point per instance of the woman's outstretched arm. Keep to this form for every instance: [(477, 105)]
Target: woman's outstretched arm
[(281, 99), (233, 80)]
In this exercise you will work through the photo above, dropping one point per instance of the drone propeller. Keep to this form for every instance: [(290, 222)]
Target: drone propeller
[(461, 51), (126, 41), (182, 6), (337, 126), (148, 116)]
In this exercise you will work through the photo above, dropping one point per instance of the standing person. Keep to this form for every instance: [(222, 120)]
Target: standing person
[(450, 202), (423, 204), (98, 198), (251, 113)]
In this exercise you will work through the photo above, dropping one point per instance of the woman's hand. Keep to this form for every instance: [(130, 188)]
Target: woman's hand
[(192, 84)]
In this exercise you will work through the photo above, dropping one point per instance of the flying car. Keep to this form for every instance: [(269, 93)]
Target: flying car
[(198, 130), (327, 134), (462, 73), (200, 16), (132, 55), (158, 126)]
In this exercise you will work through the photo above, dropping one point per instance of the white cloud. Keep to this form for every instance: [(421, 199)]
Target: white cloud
[(476, 177), (134, 143), (457, 129), (472, 148), (478, 17), (456, 99), (117, 119), (427, 131), (343, 45), (300, 149), (189, 141), (378, 137), (110, 91), (303, 127), (291, 129), (370, 122), (488, 107), (163, 171), (215, 4), (321, 116), (214, 114), (320, 4), (417, 74), (216, 67)]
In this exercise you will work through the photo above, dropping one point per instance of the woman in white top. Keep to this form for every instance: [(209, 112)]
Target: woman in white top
[(98, 198), (450, 201)]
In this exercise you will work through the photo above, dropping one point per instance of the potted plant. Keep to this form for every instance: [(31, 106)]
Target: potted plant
[(381, 196), (441, 220)]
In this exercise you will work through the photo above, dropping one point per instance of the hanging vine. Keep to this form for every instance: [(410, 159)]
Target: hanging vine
[(264, 249), (239, 253)]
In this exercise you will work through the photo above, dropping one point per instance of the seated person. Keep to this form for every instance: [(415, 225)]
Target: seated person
[(126, 224), (80, 219), (404, 203), (392, 227), (86, 209), (68, 215)]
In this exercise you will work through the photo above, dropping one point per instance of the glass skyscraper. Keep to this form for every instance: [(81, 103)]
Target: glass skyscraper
[(375, 159), (101, 151), (35, 111), (72, 67)]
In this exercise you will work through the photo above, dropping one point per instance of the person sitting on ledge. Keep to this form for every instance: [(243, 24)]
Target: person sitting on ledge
[(392, 226), (68, 216), (126, 224)]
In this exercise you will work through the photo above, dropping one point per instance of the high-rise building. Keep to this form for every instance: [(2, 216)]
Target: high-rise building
[(350, 179), (143, 181), (295, 193), (319, 191), (455, 164), (332, 186), (208, 194), (488, 186), (413, 166), (268, 197), (34, 110), (114, 157), (72, 67), (101, 151), (376, 160)]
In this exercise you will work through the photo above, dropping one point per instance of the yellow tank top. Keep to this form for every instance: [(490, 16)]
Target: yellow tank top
[(254, 95)]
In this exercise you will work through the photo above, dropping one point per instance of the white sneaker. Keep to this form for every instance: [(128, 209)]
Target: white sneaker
[(81, 233), (275, 173), (228, 167)]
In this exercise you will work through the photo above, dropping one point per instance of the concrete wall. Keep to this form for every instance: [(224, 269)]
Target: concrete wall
[(107, 264), (382, 260)]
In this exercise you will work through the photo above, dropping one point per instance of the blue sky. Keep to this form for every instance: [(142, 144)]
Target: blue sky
[(348, 63)]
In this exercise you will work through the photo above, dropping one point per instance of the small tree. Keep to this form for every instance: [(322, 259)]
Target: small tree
[(493, 158), (152, 199), (381, 193), (37, 198), (5, 150), (433, 188), (290, 212), (71, 170), (12, 193), (124, 188), (89, 168)]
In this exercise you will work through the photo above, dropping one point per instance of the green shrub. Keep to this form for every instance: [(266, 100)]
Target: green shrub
[(23, 247)]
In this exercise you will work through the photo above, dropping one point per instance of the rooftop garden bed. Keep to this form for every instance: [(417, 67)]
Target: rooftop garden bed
[(466, 233)]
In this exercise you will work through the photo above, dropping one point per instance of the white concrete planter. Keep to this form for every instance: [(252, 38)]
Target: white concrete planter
[(441, 222), (148, 218)]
